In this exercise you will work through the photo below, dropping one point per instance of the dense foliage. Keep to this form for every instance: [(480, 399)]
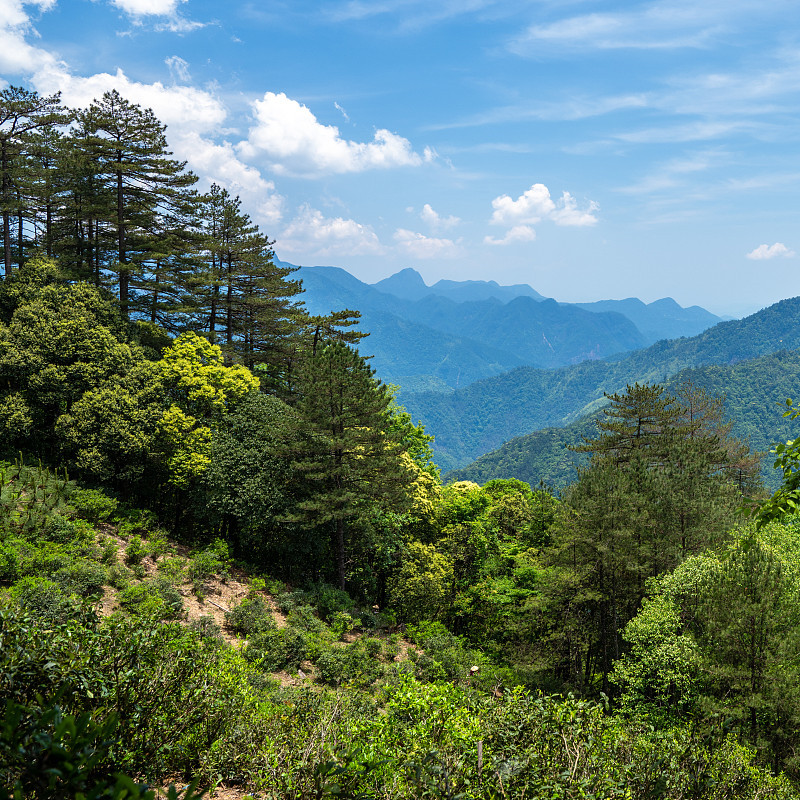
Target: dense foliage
[(226, 554)]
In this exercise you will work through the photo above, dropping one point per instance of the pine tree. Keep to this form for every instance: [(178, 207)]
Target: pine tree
[(22, 113), (657, 490), (137, 179), (350, 460)]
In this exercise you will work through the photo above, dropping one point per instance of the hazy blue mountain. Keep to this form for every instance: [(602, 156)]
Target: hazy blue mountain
[(459, 343), (754, 390), (479, 418), (405, 352), (661, 319), (409, 285)]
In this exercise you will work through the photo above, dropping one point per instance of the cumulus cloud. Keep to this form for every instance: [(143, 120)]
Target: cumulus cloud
[(420, 246), (293, 142), (312, 235), (766, 251), (17, 57), (218, 163), (165, 11), (435, 220), (519, 233), (535, 204)]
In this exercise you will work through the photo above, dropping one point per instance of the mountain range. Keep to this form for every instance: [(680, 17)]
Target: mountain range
[(477, 419), (446, 336)]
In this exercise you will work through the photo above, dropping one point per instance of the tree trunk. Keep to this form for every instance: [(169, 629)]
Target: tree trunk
[(340, 562), (6, 215), (124, 277)]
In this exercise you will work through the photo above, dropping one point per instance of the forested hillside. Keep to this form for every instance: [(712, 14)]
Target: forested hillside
[(227, 561), (753, 390), (479, 418)]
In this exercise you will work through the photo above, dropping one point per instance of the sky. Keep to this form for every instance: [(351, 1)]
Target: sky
[(592, 149)]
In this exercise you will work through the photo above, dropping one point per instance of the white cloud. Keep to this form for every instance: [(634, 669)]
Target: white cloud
[(536, 204), (294, 142), (766, 251), (664, 25), (519, 233), (314, 236), (143, 8), (181, 107), (178, 69), (218, 163), (420, 246), (436, 221), (17, 57)]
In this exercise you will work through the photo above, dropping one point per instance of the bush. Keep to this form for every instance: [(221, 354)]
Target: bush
[(330, 600), (109, 552), (341, 623), (92, 504), (84, 578), (173, 568), (157, 598), (275, 649), (207, 628), (204, 565), (251, 616), (135, 551), (9, 561), (43, 599), (355, 663)]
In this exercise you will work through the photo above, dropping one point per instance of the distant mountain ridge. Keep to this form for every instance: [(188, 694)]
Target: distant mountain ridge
[(479, 418), (453, 333), (409, 285)]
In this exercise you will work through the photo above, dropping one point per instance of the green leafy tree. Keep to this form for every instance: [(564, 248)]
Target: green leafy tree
[(350, 460)]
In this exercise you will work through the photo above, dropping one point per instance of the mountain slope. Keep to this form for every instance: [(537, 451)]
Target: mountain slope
[(479, 418), (754, 391)]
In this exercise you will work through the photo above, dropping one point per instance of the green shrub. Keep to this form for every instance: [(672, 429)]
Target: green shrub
[(84, 578), (207, 627), (173, 568), (119, 576), (109, 551), (9, 560), (205, 564), (341, 623), (43, 599), (251, 616), (275, 649), (303, 617), (134, 521), (354, 663), (289, 601), (92, 504), (157, 543), (156, 598), (330, 600), (135, 551)]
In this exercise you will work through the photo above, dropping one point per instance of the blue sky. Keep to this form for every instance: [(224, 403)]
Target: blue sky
[(592, 149)]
